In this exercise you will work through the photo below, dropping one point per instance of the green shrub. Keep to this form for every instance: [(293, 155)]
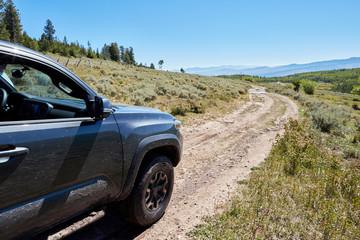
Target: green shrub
[(308, 86), (196, 108), (105, 86), (178, 110), (248, 79), (200, 86), (183, 94), (324, 119), (146, 94), (297, 84), (355, 107), (160, 89), (356, 138), (138, 100), (172, 90), (242, 91), (299, 148), (357, 123), (352, 152)]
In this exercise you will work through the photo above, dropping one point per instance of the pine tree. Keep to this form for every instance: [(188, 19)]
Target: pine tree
[(4, 34), (26, 40), (65, 51), (127, 58), (12, 22), (182, 70), (161, 62), (29, 42), (105, 52), (114, 52), (90, 52), (65, 42), (74, 49), (152, 66), (131, 56), (127, 55), (122, 53), (97, 53), (82, 51), (57, 46), (44, 44), (49, 30)]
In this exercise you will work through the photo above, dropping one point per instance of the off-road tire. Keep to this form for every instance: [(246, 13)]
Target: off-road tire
[(152, 192)]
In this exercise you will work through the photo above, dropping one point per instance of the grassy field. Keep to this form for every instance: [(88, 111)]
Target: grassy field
[(309, 186), (176, 93)]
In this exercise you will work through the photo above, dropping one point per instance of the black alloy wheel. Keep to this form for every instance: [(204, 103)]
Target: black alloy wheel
[(152, 192)]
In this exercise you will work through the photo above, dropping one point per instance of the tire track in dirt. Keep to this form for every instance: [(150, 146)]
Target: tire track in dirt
[(217, 154)]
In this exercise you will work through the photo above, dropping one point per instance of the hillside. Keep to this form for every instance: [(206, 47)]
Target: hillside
[(278, 71), (341, 80), (176, 93), (332, 76)]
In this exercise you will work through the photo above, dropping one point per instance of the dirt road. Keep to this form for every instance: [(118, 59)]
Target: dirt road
[(217, 154)]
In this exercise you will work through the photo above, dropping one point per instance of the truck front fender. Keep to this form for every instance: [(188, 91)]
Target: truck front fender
[(166, 144)]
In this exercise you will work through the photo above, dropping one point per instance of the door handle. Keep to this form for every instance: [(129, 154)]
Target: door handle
[(6, 154)]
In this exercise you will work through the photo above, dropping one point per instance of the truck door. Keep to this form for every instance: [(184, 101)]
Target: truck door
[(54, 162)]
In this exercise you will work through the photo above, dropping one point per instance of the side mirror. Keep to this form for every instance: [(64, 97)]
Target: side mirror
[(101, 108), (18, 73)]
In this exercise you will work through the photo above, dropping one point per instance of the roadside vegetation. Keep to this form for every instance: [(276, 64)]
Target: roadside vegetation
[(309, 186)]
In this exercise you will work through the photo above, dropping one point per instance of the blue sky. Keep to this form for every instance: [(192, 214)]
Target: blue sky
[(203, 33)]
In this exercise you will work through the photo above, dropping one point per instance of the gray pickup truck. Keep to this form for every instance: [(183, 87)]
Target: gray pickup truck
[(64, 149)]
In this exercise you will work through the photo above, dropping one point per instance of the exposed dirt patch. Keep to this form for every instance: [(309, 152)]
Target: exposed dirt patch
[(217, 154)]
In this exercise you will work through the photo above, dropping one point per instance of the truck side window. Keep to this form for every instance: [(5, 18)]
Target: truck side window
[(37, 96)]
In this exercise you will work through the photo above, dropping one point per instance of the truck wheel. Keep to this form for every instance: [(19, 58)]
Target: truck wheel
[(152, 192)]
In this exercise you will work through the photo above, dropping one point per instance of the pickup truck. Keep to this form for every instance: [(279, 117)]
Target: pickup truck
[(64, 149)]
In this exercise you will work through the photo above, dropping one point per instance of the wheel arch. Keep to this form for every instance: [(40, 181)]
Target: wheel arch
[(168, 145)]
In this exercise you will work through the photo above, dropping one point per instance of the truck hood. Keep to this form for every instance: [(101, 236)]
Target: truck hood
[(134, 109)]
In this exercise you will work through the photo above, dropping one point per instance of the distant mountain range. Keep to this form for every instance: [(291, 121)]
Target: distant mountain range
[(278, 71)]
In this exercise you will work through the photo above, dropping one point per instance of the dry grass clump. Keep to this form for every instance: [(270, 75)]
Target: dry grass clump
[(167, 91)]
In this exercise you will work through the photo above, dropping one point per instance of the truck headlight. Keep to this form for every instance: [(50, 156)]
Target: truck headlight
[(177, 124)]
